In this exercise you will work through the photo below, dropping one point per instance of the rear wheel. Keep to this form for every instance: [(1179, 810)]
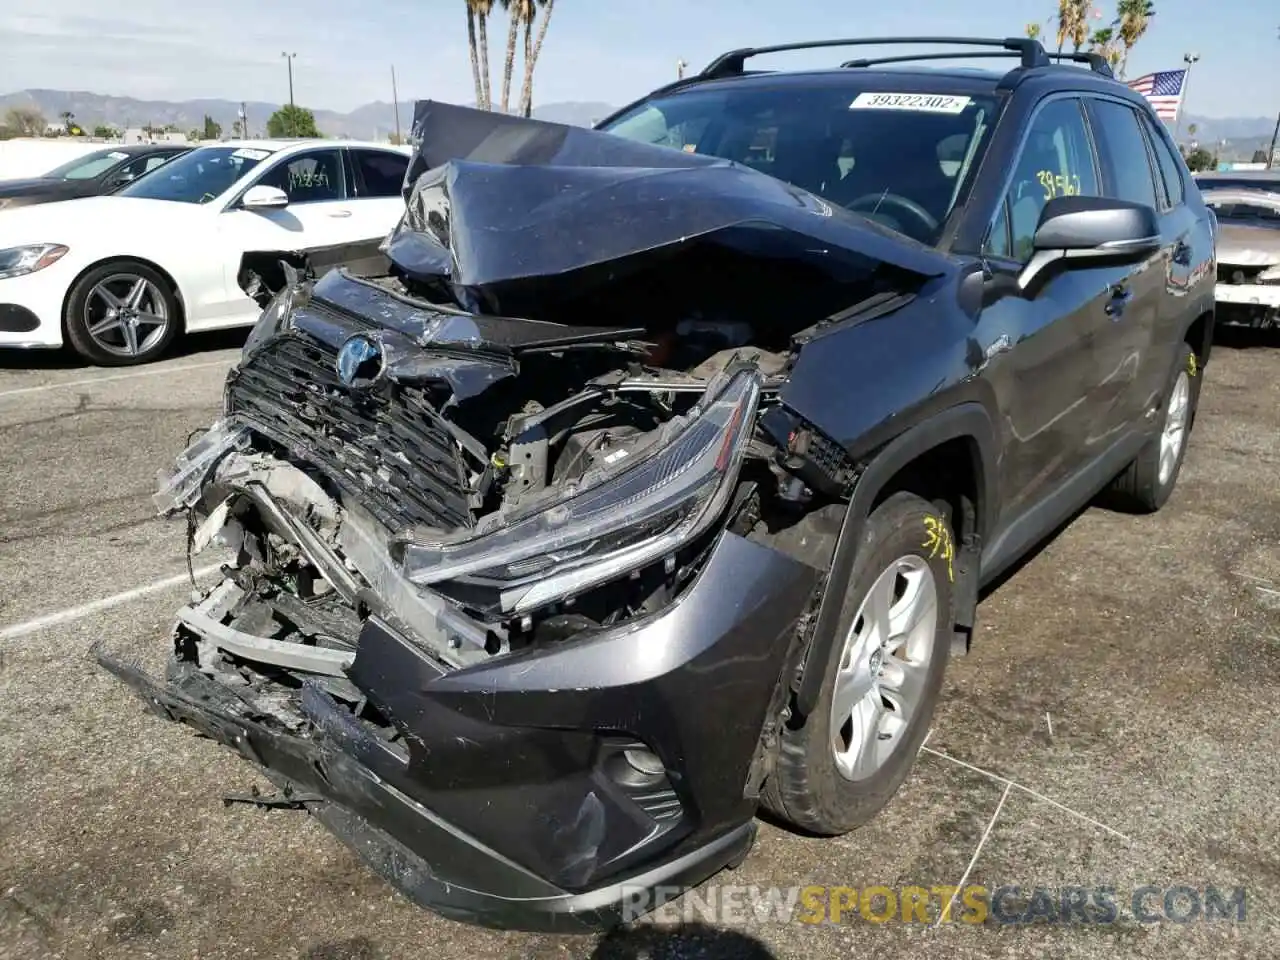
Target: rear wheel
[(881, 680), (121, 313), (1147, 482)]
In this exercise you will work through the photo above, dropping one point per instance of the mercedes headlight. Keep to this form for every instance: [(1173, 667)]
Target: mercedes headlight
[(622, 519), (19, 261)]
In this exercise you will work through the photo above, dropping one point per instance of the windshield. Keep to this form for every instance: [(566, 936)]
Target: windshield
[(196, 177), (88, 166), (899, 158)]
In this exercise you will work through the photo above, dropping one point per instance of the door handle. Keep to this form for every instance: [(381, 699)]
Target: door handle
[(1120, 297), (339, 213)]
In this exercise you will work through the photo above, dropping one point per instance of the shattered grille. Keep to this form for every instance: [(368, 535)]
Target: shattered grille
[(388, 447)]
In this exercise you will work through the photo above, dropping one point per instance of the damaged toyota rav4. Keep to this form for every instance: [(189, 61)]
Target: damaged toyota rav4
[(656, 476)]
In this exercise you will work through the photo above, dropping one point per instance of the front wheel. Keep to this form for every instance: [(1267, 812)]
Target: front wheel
[(882, 678), (121, 313)]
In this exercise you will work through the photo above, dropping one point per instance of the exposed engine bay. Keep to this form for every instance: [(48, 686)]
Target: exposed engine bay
[(510, 437)]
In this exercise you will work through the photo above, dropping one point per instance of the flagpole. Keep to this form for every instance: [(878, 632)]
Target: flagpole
[(1189, 59)]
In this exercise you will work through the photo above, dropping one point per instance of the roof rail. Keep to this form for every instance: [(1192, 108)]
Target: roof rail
[(732, 63), (910, 57), (1096, 61)]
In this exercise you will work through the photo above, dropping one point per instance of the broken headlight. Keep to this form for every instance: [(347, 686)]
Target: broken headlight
[(272, 320), (619, 522)]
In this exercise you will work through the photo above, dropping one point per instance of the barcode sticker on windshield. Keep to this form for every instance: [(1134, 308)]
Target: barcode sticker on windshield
[(248, 153), (920, 102), (118, 155)]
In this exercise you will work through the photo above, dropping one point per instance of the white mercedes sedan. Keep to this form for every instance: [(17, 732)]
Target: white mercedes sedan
[(118, 277)]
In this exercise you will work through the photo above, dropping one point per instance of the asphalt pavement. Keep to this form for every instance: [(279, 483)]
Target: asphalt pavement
[(1116, 726)]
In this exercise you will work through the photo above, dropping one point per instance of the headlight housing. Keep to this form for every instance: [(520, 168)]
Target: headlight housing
[(271, 320), (19, 261), (625, 517), (1270, 275)]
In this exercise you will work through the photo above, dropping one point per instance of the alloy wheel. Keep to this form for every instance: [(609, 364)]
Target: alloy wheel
[(1174, 434), (884, 667), (126, 315)]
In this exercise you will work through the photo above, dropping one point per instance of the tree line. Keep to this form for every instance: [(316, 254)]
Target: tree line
[(288, 121)]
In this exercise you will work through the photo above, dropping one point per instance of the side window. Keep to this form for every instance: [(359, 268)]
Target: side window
[(382, 172), (1122, 150), (310, 177), (1170, 168), (1056, 161)]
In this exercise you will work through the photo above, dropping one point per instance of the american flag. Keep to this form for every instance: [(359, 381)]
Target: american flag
[(1163, 90)]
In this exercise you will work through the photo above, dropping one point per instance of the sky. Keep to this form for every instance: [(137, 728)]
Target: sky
[(604, 50)]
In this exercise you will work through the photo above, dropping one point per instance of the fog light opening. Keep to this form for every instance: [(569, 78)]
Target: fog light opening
[(645, 762)]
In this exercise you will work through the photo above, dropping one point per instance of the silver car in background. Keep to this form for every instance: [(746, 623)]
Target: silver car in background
[(1248, 247)]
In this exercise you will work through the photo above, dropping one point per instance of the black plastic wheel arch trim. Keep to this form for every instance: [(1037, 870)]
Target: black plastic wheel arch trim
[(966, 420)]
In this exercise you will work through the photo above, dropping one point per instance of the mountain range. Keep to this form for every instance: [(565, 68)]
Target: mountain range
[(377, 121), (373, 121)]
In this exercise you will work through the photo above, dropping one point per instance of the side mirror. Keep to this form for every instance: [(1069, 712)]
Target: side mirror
[(1086, 231), (264, 198)]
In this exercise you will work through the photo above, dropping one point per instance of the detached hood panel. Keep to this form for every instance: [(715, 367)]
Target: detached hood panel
[(504, 209), (1240, 246)]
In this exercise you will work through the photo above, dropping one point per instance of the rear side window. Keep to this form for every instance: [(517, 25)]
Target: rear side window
[(1122, 152), (382, 172), (1170, 168), (1056, 161)]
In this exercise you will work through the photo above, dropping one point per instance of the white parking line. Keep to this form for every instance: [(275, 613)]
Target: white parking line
[(115, 376), (1027, 790), (946, 910), (75, 613)]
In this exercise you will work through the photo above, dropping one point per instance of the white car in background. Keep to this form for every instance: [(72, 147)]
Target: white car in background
[(119, 276)]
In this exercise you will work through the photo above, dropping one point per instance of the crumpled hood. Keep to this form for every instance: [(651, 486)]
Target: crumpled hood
[(1240, 246), (497, 206)]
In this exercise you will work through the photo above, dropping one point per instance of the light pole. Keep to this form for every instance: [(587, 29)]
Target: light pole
[(1190, 60), (293, 127), (680, 66), (395, 102), (1271, 154)]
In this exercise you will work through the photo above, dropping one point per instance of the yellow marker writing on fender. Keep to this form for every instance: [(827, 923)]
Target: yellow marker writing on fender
[(939, 543)]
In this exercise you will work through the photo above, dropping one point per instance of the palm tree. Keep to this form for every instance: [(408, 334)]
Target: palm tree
[(475, 57), (478, 41), (531, 56), (1107, 42), (519, 13), (1133, 18), (1068, 11), (1079, 24)]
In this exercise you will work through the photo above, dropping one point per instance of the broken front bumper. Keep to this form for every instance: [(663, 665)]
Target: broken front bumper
[(1251, 304), (511, 806)]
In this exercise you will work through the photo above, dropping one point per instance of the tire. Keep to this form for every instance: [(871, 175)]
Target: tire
[(1145, 484), (906, 540), (136, 332)]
